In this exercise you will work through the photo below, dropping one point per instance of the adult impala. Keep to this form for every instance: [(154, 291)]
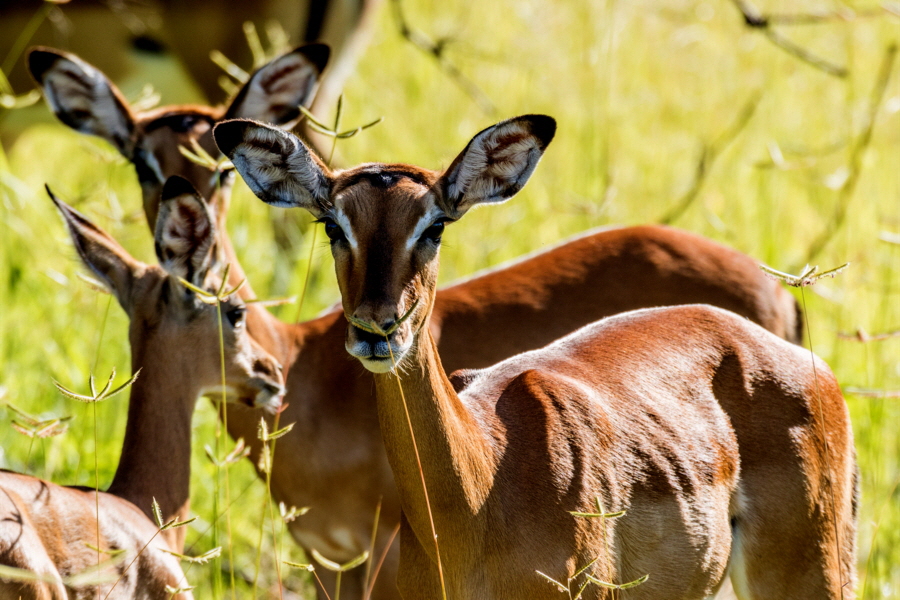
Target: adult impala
[(334, 459), (44, 528), (83, 98), (475, 324), (727, 447)]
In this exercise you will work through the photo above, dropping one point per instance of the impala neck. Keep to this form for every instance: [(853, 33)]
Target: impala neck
[(455, 449), (220, 202), (156, 451)]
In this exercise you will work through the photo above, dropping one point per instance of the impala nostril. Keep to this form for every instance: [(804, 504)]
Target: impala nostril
[(274, 388), (367, 337), (267, 368)]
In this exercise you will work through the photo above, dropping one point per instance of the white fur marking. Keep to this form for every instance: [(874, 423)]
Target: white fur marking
[(344, 223), (424, 223)]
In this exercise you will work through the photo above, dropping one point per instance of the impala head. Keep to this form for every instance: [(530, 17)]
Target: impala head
[(85, 100), (171, 328), (385, 220)]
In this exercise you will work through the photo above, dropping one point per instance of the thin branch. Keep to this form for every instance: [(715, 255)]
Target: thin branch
[(755, 19), (870, 393), (708, 155), (804, 54), (861, 335), (846, 192), (764, 22), (437, 51)]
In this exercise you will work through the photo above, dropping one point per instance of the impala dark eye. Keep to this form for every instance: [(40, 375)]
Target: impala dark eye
[(226, 176), (333, 230), (236, 315), (434, 233)]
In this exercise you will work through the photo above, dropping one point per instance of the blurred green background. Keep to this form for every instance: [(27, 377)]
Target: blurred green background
[(660, 104)]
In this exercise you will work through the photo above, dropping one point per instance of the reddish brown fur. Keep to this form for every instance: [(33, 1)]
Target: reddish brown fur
[(44, 527), (477, 322), (692, 419), (152, 139), (335, 449)]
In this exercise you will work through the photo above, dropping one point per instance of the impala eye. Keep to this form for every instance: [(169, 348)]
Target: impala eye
[(434, 233), (236, 315), (333, 230)]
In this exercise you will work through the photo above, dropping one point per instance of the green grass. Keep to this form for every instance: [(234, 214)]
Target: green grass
[(638, 88)]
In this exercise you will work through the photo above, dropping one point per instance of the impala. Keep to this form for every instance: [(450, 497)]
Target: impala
[(727, 447), (83, 98), (45, 528), (334, 459)]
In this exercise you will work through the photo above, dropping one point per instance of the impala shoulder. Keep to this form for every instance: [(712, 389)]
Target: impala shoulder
[(462, 379), (548, 390)]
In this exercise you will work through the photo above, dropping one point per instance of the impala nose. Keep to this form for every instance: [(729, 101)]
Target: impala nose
[(268, 381)]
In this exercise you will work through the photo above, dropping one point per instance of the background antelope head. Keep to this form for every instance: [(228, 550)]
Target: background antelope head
[(84, 99)]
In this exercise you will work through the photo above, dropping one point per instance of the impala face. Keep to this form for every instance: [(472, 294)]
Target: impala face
[(166, 315), (168, 320), (385, 228), (385, 221), (158, 136)]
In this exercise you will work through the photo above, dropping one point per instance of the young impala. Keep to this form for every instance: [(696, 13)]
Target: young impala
[(334, 459), (44, 528), (727, 447)]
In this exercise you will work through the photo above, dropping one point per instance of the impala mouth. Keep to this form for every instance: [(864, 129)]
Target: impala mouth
[(269, 397), (256, 393), (376, 353)]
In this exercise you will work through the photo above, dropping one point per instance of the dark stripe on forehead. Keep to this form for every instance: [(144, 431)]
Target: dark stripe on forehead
[(383, 178), (179, 122)]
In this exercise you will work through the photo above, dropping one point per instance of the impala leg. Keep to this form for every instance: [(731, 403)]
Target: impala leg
[(784, 545)]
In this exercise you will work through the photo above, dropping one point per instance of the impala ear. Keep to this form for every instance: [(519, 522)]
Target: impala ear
[(100, 252), (83, 98), (276, 89), (276, 165), (496, 163), (185, 237)]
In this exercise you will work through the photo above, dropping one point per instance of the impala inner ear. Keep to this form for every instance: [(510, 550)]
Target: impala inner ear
[(275, 90), (276, 165), (99, 252), (185, 232), (83, 98), (496, 164)]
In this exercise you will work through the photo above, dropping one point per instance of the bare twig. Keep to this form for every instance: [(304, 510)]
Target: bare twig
[(437, 51), (757, 20), (708, 155), (846, 192), (870, 393), (861, 335), (803, 54), (754, 19)]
